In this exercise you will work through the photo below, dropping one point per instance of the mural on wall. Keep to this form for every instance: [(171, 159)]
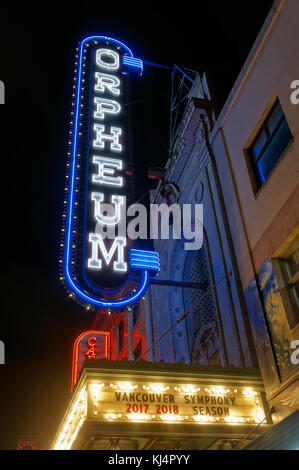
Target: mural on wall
[(277, 327), (261, 337), (277, 319)]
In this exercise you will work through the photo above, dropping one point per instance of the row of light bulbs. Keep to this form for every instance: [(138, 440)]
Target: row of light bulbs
[(176, 418), (88, 307), (74, 422), (247, 392)]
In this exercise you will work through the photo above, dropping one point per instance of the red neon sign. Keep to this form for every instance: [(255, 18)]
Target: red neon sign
[(90, 345), (91, 352)]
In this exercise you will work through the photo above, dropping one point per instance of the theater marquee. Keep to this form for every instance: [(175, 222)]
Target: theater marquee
[(173, 403), (121, 399)]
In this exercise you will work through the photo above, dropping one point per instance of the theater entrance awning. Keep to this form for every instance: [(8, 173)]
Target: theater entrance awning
[(140, 405)]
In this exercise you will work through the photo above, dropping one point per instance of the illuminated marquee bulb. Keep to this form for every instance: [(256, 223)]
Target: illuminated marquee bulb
[(188, 389)]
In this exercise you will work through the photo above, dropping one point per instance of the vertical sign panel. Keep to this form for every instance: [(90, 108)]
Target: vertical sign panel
[(98, 260), (89, 346)]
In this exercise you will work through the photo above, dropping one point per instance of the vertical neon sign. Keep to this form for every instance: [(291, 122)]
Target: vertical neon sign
[(90, 345), (98, 270)]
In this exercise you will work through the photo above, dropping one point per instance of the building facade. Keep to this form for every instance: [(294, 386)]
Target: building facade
[(244, 169), (238, 327)]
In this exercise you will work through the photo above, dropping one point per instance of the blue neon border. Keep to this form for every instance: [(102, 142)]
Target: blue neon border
[(67, 259)]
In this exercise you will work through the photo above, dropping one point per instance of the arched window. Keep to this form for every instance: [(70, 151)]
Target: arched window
[(201, 323)]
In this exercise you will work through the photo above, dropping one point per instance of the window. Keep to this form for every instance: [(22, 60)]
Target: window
[(201, 325), (197, 269), (290, 269), (269, 144)]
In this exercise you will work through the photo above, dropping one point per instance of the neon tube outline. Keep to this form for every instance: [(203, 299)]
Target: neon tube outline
[(75, 358), (144, 281)]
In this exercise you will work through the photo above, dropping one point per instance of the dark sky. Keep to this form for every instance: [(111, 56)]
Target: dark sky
[(38, 322)]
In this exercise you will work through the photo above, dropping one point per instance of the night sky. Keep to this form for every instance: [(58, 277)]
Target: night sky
[(38, 321)]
